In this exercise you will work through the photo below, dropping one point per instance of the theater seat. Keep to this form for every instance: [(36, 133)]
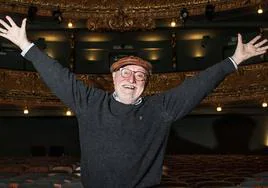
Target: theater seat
[(72, 185)]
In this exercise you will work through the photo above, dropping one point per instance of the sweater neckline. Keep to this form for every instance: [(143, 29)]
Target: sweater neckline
[(137, 102), (118, 108)]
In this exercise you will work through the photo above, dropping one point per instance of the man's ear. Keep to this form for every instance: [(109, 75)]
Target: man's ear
[(113, 74)]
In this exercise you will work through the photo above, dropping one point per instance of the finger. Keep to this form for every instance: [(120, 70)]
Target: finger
[(239, 40), (3, 23), (260, 43), (2, 35), (254, 39), (4, 31), (263, 48), (10, 20), (260, 53), (23, 24), (5, 36)]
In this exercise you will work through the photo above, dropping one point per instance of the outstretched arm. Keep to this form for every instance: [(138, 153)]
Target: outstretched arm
[(59, 79), (248, 50), (181, 100)]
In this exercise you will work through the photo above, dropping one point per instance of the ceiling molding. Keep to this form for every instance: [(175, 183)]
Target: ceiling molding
[(123, 16)]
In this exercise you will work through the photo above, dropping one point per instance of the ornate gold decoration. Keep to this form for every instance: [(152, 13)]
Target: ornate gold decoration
[(249, 83), (105, 14), (120, 21)]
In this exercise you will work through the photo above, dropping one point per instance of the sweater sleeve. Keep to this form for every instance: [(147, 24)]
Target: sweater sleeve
[(180, 100), (60, 80)]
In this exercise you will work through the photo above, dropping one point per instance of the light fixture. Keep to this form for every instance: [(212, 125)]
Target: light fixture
[(70, 24), (204, 41), (219, 109), (260, 10), (32, 12), (184, 14), (210, 11), (173, 23), (57, 15), (26, 111), (264, 104), (68, 113)]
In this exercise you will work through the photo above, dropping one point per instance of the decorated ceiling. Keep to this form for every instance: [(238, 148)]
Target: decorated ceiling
[(123, 14)]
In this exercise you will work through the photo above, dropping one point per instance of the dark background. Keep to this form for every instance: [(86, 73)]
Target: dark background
[(54, 136)]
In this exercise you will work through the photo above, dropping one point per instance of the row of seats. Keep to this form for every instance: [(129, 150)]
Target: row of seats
[(215, 171), (196, 171), (39, 172)]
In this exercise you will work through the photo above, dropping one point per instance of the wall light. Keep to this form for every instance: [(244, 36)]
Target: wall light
[(184, 14), (173, 23), (70, 24), (57, 15), (260, 10), (205, 41), (26, 111), (219, 109), (68, 113)]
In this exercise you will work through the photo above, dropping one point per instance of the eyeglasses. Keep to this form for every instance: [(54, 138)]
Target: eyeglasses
[(139, 75)]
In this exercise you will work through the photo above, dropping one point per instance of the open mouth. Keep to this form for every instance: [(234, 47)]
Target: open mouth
[(131, 87)]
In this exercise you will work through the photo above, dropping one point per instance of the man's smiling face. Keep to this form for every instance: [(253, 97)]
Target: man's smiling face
[(129, 83)]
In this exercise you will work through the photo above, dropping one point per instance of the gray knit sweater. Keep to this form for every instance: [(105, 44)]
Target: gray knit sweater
[(123, 146)]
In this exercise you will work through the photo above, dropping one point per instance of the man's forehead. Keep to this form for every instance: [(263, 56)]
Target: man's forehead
[(135, 68)]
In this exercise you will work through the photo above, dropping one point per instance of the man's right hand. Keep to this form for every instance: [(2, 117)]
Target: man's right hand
[(14, 33)]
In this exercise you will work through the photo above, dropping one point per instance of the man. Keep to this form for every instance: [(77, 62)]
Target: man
[(123, 135)]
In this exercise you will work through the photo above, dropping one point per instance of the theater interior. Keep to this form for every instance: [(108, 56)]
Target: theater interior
[(222, 142)]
